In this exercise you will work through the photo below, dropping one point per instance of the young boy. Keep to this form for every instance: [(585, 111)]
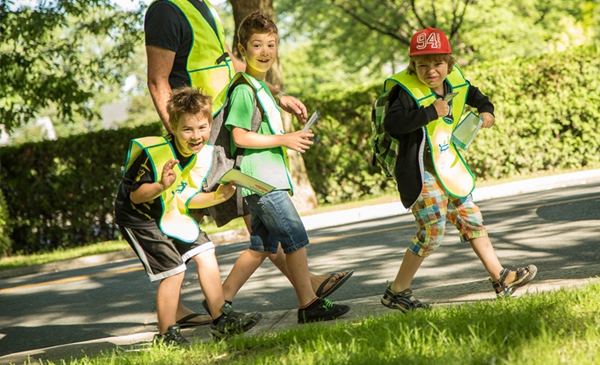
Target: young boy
[(162, 181), (433, 179), (274, 217)]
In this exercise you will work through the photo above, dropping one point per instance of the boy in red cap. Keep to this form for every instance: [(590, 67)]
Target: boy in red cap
[(426, 102)]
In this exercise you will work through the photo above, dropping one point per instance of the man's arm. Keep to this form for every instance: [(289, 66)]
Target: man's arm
[(238, 65), (160, 63)]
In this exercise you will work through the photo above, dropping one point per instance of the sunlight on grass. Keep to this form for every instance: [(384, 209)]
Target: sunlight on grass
[(61, 254), (548, 328)]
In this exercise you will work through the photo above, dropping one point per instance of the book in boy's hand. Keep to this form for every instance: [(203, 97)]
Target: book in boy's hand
[(313, 118), (246, 181), (465, 131)]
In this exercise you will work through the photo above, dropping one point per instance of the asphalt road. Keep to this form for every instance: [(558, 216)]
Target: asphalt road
[(558, 230)]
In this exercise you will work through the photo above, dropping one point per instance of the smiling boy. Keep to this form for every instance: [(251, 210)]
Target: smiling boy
[(274, 217), (162, 180), (433, 179)]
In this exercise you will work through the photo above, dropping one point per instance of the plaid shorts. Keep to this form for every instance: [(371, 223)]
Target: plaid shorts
[(431, 211)]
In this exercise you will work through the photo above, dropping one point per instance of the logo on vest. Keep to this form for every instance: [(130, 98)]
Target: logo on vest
[(181, 188), (444, 146)]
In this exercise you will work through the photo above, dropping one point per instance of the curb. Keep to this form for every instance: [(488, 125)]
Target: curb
[(331, 219)]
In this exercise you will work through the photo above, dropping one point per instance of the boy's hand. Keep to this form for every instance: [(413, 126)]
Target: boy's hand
[(488, 120), (168, 175), (293, 106), (441, 107), (225, 191), (298, 141)]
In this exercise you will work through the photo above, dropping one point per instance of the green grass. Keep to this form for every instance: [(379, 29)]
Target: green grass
[(17, 261), (561, 327)]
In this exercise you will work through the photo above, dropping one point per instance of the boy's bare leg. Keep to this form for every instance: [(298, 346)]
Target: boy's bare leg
[(183, 311), (279, 260), (485, 251), (209, 277), (167, 298), (408, 269), (297, 263), (243, 268)]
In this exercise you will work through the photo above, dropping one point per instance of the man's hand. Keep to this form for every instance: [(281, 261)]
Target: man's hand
[(293, 106), (168, 174), (488, 120)]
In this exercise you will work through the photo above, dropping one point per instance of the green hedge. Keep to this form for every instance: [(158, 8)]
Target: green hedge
[(60, 193), (5, 227), (547, 113)]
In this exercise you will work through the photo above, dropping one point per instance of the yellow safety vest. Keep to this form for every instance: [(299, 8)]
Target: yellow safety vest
[(175, 221), (207, 65), (452, 170), (270, 109)]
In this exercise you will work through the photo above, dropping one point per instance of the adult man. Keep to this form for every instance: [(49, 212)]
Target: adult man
[(185, 46)]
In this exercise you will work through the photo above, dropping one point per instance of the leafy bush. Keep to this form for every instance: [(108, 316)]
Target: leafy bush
[(547, 118), (60, 193), (5, 227), (546, 114)]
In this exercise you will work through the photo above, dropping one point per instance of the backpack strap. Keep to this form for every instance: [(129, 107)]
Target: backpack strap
[(220, 136), (257, 117)]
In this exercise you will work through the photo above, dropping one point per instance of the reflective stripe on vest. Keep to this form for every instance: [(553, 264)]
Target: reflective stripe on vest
[(270, 109), (206, 65), (452, 170), (175, 221)]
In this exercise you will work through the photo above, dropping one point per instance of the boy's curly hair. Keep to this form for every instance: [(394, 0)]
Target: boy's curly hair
[(448, 58), (188, 100), (256, 22)]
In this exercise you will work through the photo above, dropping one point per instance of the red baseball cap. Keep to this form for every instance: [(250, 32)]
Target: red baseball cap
[(429, 41)]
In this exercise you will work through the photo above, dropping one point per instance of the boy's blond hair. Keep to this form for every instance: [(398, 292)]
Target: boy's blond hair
[(188, 100), (448, 58), (256, 22)]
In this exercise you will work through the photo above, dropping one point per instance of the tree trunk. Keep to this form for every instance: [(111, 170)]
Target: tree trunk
[(304, 196)]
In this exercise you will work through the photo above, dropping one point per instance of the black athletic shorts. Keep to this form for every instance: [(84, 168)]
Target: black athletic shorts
[(161, 255)]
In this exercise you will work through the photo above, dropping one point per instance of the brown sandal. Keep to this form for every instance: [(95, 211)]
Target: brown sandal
[(524, 277)]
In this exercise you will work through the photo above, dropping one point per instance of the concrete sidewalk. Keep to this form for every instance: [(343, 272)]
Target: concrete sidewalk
[(361, 307)]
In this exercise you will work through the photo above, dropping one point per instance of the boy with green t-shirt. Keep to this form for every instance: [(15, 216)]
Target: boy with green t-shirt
[(274, 217)]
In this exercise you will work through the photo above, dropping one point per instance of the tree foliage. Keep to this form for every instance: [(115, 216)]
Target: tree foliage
[(372, 36), (60, 54)]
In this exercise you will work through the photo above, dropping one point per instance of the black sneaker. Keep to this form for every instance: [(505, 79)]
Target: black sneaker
[(172, 337), (321, 310), (402, 300), (207, 308), (233, 323)]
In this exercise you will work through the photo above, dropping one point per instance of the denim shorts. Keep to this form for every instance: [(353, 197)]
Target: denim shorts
[(275, 220)]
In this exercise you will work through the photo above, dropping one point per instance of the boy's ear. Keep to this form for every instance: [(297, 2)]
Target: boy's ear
[(242, 50)]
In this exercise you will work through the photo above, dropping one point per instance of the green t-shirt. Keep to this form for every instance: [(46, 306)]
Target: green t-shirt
[(266, 164)]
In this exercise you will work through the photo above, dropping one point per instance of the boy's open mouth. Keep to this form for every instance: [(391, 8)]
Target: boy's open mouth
[(195, 144)]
